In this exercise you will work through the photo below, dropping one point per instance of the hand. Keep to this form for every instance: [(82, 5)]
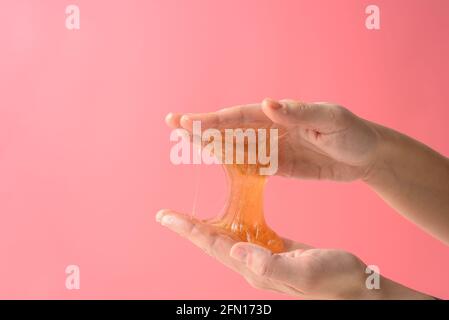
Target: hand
[(321, 140), (300, 271)]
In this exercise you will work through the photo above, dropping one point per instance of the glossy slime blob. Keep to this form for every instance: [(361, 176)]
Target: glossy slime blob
[(243, 216)]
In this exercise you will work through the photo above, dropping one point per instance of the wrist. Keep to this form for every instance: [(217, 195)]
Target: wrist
[(383, 155), (358, 288), (390, 290)]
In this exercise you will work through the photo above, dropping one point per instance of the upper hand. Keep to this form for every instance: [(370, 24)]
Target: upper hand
[(321, 140)]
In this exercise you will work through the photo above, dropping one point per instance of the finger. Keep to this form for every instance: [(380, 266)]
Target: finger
[(318, 116), (173, 120), (238, 116), (202, 235), (283, 267)]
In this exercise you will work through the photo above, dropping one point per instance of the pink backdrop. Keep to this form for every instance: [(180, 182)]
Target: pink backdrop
[(84, 152)]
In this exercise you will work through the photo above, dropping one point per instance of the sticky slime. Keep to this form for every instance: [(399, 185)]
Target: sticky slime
[(243, 215)]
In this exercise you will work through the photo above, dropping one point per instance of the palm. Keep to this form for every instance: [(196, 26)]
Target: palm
[(300, 271), (309, 158), (329, 271)]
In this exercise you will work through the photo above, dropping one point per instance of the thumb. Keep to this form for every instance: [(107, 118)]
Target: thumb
[(323, 117), (282, 267)]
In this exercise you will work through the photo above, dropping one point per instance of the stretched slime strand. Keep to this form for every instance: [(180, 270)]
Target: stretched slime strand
[(243, 215)]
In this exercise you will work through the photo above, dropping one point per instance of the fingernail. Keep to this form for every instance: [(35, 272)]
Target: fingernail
[(273, 104), (159, 215), (239, 254), (185, 118), (284, 107), (168, 116), (167, 220), (276, 105)]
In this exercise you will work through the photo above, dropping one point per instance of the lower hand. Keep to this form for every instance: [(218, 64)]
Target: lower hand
[(300, 271)]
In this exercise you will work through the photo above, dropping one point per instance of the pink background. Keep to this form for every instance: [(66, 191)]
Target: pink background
[(84, 152)]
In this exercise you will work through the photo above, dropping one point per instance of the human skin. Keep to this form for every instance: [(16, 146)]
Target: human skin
[(327, 141), (300, 271)]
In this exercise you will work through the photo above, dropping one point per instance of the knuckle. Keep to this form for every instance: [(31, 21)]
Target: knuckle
[(299, 107), (338, 112), (293, 106), (214, 245), (195, 230), (266, 268), (208, 247)]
